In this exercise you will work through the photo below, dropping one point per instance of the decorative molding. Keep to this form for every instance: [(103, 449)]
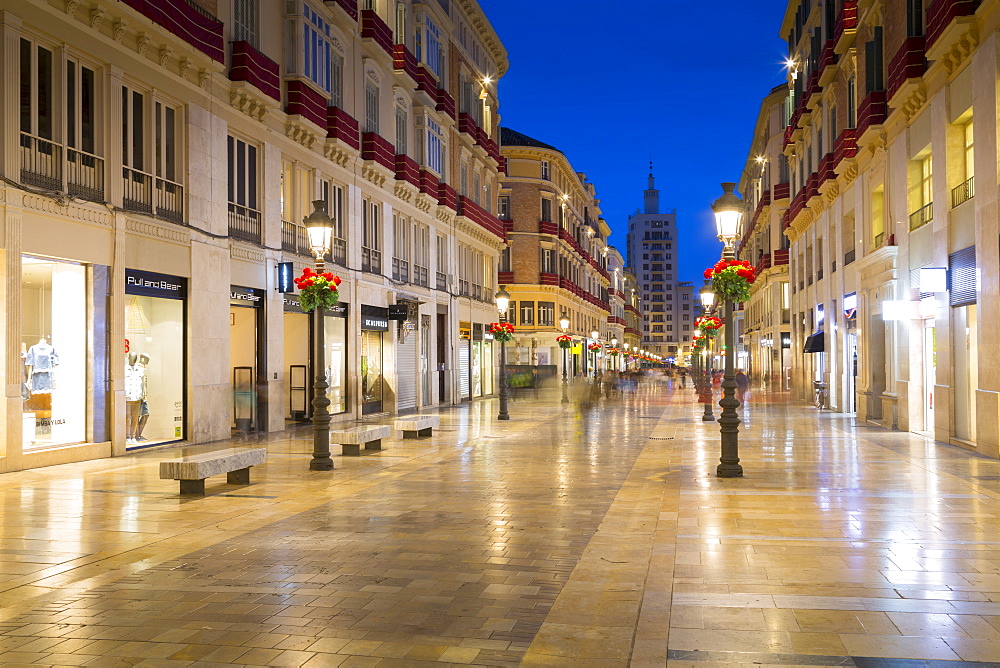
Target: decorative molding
[(71, 6), (143, 43), (914, 102), (121, 27), (300, 133), (204, 77), (445, 215), (97, 16), (404, 191), (165, 54), (374, 174), (49, 205), (156, 231), (424, 202), (244, 253), (336, 153), (243, 97), (960, 50), (186, 66)]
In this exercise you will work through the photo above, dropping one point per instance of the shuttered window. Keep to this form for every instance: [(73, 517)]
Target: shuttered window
[(962, 277)]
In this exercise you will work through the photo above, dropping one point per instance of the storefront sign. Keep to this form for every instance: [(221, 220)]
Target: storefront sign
[(286, 276), (239, 296), (148, 284), (398, 311), (464, 329), (375, 318), (291, 305)]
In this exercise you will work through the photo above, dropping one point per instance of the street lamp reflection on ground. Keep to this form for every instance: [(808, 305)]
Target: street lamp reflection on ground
[(564, 326), (502, 299), (728, 211), (319, 227), (708, 303)]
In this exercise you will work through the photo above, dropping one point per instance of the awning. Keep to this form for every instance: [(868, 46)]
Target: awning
[(815, 344)]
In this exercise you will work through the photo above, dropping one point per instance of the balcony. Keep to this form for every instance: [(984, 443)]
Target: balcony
[(445, 102), (763, 263), (825, 172), (846, 27), (256, 69), (244, 223), (908, 63), (779, 258), (377, 149), (85, 176), (845, 147), (407, 170), (505, 277), (41, 162), (341, 125), (304, 101), (849, 257), (827, 63), (400, 270), (405, 62), (428, 183), (294, 238), (375, 29), (186, 20), (963, 192), (921, 216), (446, 196), (781, 191), (441, 280), (546, 227), (941, 14), (871, 111), (481, 217), (548, 279), (349, 6), (371, 260), (145, 193)]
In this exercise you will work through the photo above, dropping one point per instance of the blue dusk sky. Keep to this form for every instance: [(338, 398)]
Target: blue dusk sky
[(612, 84)]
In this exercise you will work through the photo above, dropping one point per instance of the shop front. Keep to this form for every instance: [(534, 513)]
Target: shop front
[(299, 377), (155, 365), (404, 314), (64, 352), (246, 358), (374, 325), (464, 359), (481, 370)]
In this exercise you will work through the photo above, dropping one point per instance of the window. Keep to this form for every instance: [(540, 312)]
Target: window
[(441, 281), (401, 129), (546, 314), (548, 261), (333, 195), (852, 103), (336, 80), (874, 67), (371, 107), (970, 168), (914, 18), (545, 169), (477, 188), (527, 313), (505, 259), (926, 194), (245, 22), (878, 217), (401, 248), (435, 157), (546, 210), (80, 112), (463, 179), (317, 53), (512, 313), (244, 211), (400, 34), (428, 46), (37, 112), (503, 207), (371, 256)]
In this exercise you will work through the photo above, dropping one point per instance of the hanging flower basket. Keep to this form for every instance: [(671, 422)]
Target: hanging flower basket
[(708, 325), (594, 347), (731, 279), (317, 290), (614, 352), (564, 341), (502, 331)]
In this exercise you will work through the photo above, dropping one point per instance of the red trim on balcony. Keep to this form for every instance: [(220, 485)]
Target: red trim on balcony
[(481, 217), (406, 62), (780, 258), (548, 279), (508, 225), (428, 183), (846, 145), (502, 165), (786, 219), (256, 69), (871, 111), (847, 19), (407, 170), (376, 147), (940, 13), (374, 28), (349, 6), (426, 82), (825, 172), (304, 101), (763, 263), (546, 227), (341, 125), (908, 63), (827, 57), (198, 29), (781, 191), (447, 196), (812, 87), (445, 102), (505, 277)]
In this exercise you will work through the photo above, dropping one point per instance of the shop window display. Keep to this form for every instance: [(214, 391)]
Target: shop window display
[(53, 352), (154, 370), (371, 371)]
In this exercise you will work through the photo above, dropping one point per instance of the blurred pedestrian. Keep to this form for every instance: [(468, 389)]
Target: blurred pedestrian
[(742, 384)]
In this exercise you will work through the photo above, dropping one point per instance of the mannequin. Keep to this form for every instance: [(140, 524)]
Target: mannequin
[(39, 363), (135, 393), (144, 406)]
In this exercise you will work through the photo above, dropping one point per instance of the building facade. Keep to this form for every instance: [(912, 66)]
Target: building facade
[(766, 318), (892, 151), (159, 158), (557, 260), (652, 251)]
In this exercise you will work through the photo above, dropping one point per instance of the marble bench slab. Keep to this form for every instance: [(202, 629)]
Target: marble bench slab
[(351, 439), (417, 425), (191, 471)]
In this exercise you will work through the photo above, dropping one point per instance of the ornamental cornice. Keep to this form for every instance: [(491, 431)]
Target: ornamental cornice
[(300, 132), (375, 173), (84, 214), (155, 231), (878, 267), (802, 221), (445, 215), (404, 191), (240, 252), (248, 100), (338, 152), (424, 202)]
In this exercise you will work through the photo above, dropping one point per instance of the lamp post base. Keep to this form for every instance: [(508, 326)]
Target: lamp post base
[(729, 471), (321, 464)]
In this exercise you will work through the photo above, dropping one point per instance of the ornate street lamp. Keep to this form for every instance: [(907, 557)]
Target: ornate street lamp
[(595, 335), (319, 227), (502, 299), (728, 211), (614, 345), (708, 303), (564, 326)]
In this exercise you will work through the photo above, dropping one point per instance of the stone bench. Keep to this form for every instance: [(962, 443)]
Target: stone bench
[(352, 438), (416, 426), (191, 471)]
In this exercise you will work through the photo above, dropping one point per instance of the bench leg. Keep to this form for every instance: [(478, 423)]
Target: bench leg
[(410, 434), (193, 487), (426, 432), (374, 445), (350, 449), (239, 476)]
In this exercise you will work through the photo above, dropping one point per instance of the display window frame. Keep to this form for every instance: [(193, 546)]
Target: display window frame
[(290, 305), (163, 286), (374, 319), (252, 298)]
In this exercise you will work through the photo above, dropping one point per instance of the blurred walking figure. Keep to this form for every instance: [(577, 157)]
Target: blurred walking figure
[(684, 374), (742, 384)]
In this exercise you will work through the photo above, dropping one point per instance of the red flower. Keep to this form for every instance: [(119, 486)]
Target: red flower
[(708, 273)]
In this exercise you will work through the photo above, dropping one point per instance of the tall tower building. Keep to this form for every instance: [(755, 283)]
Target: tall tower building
[(652, 254)]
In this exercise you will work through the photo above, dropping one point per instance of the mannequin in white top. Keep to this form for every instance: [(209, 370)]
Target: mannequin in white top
[(135, 392), (144, 405)]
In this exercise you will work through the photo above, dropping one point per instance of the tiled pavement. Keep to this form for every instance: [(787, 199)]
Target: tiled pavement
[(582, 538)]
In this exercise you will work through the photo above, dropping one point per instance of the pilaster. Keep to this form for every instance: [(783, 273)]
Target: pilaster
[(10, 34), (10, 306)]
